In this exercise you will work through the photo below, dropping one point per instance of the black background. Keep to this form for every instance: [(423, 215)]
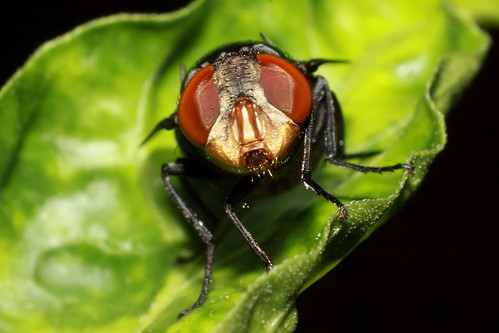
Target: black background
[(432, 267)]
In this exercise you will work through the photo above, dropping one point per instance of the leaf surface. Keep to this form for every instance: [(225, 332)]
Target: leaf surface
[(89, 239)]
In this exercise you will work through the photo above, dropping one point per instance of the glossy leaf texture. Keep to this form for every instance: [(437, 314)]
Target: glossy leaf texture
[(89, 240)]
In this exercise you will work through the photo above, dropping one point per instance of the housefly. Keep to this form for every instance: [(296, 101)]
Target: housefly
[(248, 114)]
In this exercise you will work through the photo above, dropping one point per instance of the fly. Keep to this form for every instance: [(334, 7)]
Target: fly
[(246, 114)]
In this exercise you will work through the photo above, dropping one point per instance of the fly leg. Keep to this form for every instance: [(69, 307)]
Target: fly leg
[(240, 190), (334, 135), (326, 103), (306, 168), (182, 168)]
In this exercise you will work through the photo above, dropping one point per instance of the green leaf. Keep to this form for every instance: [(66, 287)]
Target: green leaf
[(89, 240), (486, 12)]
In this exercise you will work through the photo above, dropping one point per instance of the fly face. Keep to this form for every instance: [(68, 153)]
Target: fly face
[(246, 109)]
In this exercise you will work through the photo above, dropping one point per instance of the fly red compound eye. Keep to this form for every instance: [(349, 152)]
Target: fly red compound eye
[(285, 87), (199, 106), (251, 120)]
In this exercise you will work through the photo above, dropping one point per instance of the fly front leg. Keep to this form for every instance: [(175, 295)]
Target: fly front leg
[(235, 195), (306, 169), (181, 168)]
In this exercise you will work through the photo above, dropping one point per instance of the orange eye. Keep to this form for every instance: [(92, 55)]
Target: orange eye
[(199, 106), (285, 87)]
